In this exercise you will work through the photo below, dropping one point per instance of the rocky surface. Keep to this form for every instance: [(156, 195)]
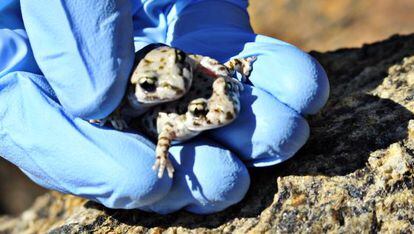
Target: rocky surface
[(325, 25), (355, 174)]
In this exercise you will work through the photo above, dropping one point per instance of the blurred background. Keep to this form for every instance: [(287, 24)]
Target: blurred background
[(327, 25), (320, 25)]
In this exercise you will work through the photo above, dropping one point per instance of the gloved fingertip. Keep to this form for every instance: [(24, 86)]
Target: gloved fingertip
[(207, 179), (289, 74)]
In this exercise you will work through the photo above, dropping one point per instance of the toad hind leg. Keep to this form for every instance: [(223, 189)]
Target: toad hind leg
[(242, 66), (115, 118)]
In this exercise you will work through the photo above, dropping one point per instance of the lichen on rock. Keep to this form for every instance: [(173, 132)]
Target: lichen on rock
[(355, 174)]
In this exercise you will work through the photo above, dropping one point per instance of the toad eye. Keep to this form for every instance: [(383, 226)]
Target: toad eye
[(148, 83), (198, 109)]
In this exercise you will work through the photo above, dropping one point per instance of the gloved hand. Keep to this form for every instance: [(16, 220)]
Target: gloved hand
[(84, 51)]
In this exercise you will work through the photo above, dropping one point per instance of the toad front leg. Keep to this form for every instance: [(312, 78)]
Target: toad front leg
[(165, 138)]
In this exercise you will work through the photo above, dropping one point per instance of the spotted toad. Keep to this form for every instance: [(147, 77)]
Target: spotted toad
[(185, 93)]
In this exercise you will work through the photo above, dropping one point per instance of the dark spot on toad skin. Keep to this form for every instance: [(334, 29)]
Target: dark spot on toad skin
[(229, 115)]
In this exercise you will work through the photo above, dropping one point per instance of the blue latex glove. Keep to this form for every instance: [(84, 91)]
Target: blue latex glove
[(85, 52)]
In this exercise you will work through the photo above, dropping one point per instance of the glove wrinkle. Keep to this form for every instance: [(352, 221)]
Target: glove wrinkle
[(15, 53)]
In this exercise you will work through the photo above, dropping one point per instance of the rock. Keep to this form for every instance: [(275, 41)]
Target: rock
[(356, 172)]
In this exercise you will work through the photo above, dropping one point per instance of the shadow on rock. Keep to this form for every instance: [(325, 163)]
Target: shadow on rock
[(343, 139)]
